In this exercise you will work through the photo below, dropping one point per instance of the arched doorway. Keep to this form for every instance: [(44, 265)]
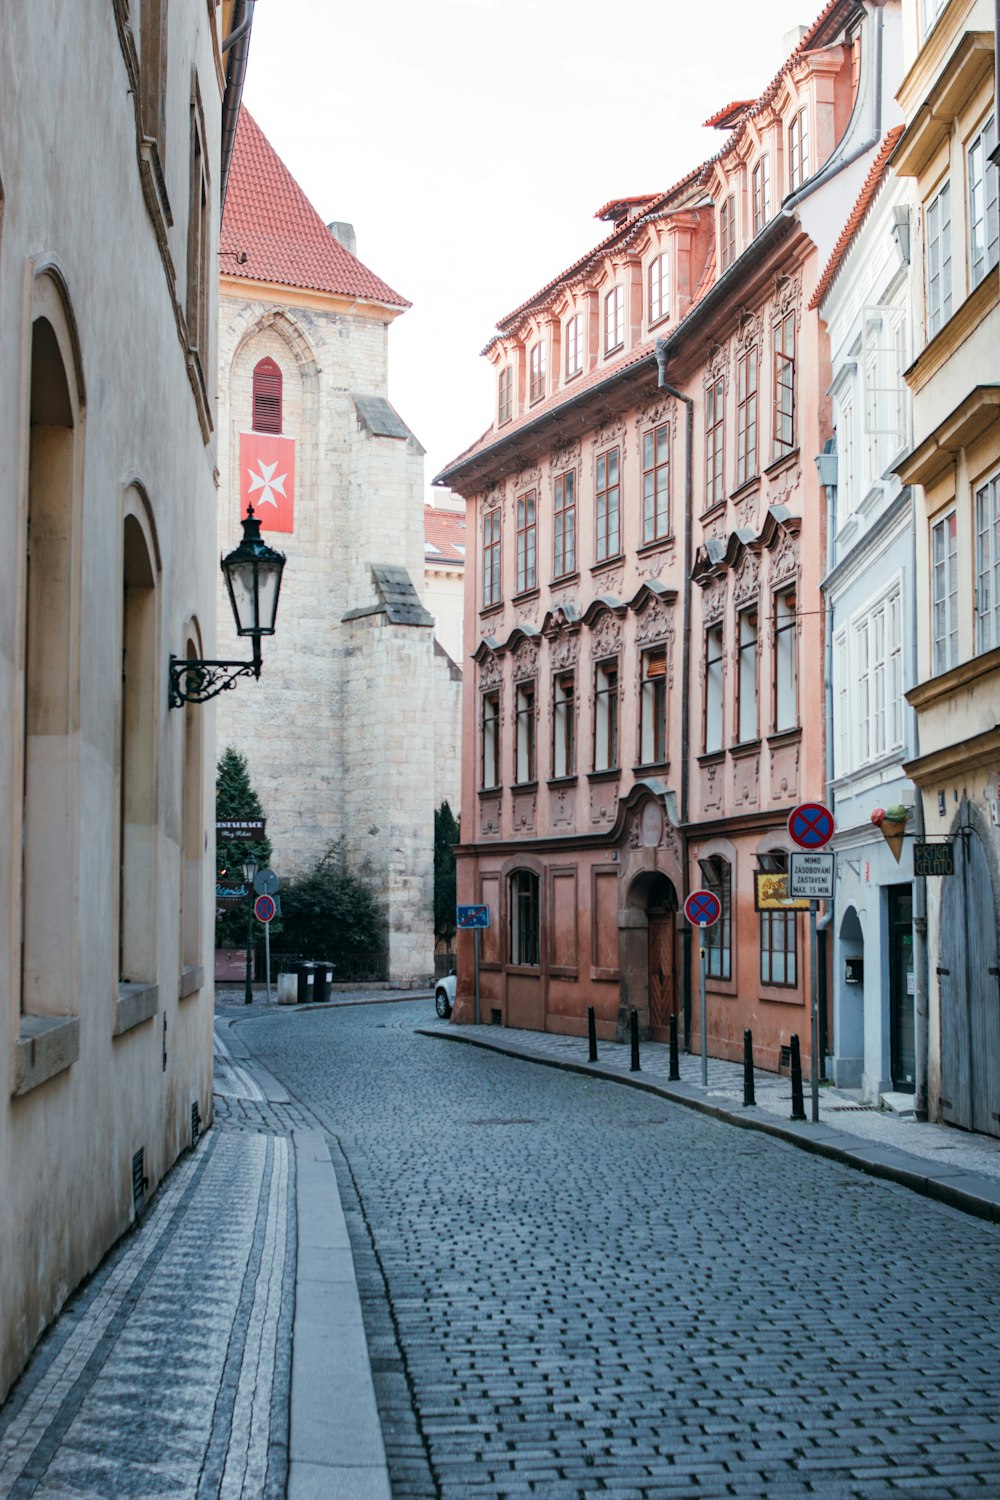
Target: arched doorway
[(651, 983), (849, 1033)]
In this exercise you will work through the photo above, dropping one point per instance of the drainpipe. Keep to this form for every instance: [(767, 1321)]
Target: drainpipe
[(921, 1015), (670, 390), (237, 45)]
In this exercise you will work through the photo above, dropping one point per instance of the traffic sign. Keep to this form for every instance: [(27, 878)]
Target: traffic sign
[(472, 916), (264, 908), (266, 882), (810, 825), (703, 908), (812, 875)]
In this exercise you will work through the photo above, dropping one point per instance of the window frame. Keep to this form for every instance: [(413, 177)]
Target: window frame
[(656, 484), (658, 300), (492, 558), (713, 710), (505, 395), (614, 319), (938, 260), (573, 343), (761, 190), (987, 600), (607, 504), (653, 706), (715, 443), (944, 592), (717, 940), (536, 372), (564, 524), (784, 660), (982, 184), (783, 926), (524, 919), (526, 515), (525, 732), (783, 393), (747, 674), (747, 444), (606, 689), (563, 724), (727, 231), (798, 149), (489, 722)]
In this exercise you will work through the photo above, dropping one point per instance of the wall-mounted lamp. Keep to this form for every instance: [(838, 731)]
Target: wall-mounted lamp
[(901, 233), (253, 577)]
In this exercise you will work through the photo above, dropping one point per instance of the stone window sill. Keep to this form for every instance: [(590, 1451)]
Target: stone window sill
[(134, 1004), (191, 981), (45, 1046)]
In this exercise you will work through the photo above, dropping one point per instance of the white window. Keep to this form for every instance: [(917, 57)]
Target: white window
[(653, 707), (929, 12), (761, 193), (939, 260), (606, 715), (574, 345), (524, 745), (988, 565), (713, 689), (798, 150), (984, 233), (878, 685), (786, 678), (842, 716), (846, 464), (886, 397), (659, 288), (614, 319), (746, 685), (564, 725), (944, 592)]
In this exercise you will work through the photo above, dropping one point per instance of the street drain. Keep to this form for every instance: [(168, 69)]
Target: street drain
[(856, 1109)]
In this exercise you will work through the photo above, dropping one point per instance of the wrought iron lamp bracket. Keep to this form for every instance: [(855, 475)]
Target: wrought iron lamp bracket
[(198, 681)]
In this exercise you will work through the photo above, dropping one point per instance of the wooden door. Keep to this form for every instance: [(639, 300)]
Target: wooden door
[(969, 977), (662, 977)]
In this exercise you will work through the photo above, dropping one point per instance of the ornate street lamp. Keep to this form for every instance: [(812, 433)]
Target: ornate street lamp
[(249, 875), (253, 578)]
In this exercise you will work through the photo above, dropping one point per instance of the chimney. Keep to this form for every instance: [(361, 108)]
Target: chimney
[(345, 234), (791, 39)]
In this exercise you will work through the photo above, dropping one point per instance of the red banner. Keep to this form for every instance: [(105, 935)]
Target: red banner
[(267, 479)]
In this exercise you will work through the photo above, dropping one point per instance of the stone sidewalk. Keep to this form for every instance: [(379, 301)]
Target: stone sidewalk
[(939, 1161), (219, 1350)]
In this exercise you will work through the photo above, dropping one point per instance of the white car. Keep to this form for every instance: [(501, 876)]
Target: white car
[(444, 996)]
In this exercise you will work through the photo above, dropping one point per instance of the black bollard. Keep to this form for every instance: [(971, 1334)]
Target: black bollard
[(675, 1065), (748, 1094), (592, 1033), (633, 1021), (798, 1106)]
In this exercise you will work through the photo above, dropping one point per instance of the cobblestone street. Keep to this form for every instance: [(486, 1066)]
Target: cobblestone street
[(572, 1289)]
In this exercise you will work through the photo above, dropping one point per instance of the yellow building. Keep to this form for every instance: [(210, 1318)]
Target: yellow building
[(949, 101)]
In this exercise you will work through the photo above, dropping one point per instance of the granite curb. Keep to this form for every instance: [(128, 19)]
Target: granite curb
[(968, 1191)]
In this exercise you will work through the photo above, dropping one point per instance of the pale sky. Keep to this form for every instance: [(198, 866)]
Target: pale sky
[(470, 143)]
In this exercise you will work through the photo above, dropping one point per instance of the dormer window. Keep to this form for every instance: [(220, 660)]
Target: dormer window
[(536, 372), (574, 345), (727, 232), (798, 150), (614, 319), (761, 194), (659, 288), (505, 395)]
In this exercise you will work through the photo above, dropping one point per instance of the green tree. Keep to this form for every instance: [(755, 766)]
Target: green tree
[(331, 913), (446, 836), (236, 798)]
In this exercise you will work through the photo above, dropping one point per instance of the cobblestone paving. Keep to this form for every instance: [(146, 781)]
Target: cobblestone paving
[(168, 1373), (572, 1289)]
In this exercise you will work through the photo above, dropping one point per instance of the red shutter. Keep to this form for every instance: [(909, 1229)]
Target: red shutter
[(266, 397)]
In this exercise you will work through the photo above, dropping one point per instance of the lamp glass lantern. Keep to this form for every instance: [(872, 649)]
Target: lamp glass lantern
[(253, 578), (249, 869)]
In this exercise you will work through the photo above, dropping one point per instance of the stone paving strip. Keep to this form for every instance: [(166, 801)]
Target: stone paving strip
[(937, 1160)]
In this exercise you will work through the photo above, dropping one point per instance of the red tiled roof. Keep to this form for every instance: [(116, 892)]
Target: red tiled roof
[(444, 531), (615, 208), (724, 119), (857, 215), (269, 217)]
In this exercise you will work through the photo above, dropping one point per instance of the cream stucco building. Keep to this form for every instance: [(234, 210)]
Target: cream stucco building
[(949, 150), (339, 735), (108, 296)]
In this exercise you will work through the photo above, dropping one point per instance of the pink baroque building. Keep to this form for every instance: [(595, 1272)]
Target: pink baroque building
[(645, 704)]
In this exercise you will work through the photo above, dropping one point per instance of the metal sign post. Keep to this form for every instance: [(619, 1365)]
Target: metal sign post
[(811, 827), (476, 917), (703, 909)]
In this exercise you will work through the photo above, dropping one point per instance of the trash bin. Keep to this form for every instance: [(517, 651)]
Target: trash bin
[(305, 973), (321, 980)]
